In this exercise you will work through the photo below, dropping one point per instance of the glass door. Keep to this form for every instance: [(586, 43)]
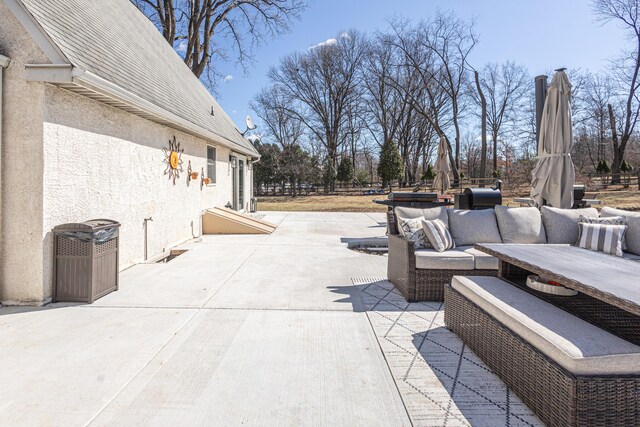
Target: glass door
[(240, 184), (234, 182)]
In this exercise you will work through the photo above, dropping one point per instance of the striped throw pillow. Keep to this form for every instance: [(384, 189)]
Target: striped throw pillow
[(438, 235), (605, 238), (615, 220)]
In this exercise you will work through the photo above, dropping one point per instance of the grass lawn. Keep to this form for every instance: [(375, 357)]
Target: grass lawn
[(357, 203), (332, 203)]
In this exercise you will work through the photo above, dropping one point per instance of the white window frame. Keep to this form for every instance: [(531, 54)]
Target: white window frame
[(214, 164)]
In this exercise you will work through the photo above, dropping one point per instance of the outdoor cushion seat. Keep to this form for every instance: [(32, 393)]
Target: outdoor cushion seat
[(561, 225), (475, 226), (579, 347), (521, 225), (632, 219), (481, 260), (452, 259)]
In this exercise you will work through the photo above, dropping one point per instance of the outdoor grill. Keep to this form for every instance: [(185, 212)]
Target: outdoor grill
[(478, 198), (411, 197), (578, 197)]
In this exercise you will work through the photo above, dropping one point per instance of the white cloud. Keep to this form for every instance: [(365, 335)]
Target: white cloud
[(327, 42), (182, 47), (345, 35), (235, 111), (227, 78)]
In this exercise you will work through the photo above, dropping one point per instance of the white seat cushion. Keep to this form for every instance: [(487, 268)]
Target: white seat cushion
[(578, 346), (453, 259), (482, 260)]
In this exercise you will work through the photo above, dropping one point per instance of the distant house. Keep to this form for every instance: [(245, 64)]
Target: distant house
[(94, 98)]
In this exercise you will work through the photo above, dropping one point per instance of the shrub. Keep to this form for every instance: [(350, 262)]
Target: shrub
[(390, 166), (429, 174)]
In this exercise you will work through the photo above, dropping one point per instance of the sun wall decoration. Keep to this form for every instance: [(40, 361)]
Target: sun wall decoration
[(173, 160)]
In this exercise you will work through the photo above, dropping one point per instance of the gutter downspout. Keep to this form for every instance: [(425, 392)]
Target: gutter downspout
[(4, 63)]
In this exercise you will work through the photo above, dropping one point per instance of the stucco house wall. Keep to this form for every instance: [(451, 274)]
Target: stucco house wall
[(102, 162), (69, 158), (21, 246)]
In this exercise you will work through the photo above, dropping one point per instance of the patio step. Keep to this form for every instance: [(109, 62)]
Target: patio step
[(227, 221)]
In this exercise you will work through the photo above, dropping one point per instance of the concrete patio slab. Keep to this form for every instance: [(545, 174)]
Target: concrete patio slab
[(264, 368), (325, 233), (187, 281), (329, 216), (246, 330), (299, 278), (61, 366)]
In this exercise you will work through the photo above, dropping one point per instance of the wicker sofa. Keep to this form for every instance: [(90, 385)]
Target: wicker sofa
[(421, 274)]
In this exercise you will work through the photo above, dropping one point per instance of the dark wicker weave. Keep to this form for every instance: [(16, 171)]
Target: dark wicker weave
[(392, 225), (555, 395), (418, 284), (602, 314)]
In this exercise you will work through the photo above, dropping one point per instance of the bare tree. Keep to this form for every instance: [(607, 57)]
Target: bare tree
[(471, 155), (592, 121), (437, 51), (483, 127), (200, 29), (271, 106), (624, 112), (389, 114), (286, 130), (505, 87), (323, 85)]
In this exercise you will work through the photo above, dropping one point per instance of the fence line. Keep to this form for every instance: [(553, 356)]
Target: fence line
[(592, 182)]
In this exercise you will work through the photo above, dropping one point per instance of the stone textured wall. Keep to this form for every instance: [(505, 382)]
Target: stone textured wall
[(102, 162), (21, 254)]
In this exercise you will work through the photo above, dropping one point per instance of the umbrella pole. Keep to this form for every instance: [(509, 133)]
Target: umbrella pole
[(541, 96)]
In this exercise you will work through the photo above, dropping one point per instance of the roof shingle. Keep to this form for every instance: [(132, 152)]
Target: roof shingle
[(115, 41)]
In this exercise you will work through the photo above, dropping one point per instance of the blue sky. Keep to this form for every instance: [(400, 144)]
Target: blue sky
[(540, 34)]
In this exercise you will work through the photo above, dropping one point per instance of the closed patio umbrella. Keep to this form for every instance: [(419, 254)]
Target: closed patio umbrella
[(442, 182), (554, 175)]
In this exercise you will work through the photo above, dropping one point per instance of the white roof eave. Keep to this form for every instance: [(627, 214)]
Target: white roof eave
[(75, 79)]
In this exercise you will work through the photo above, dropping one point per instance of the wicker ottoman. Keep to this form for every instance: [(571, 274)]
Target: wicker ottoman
[(558, 396)]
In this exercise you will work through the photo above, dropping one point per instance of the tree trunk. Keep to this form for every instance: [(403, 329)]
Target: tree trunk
[(494, 140), (617, 155), (483, 150)]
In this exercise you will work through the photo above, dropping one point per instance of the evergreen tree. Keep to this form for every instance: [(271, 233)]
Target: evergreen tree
[(429, 174), (345, 170), (625, 167), (390, 165)]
